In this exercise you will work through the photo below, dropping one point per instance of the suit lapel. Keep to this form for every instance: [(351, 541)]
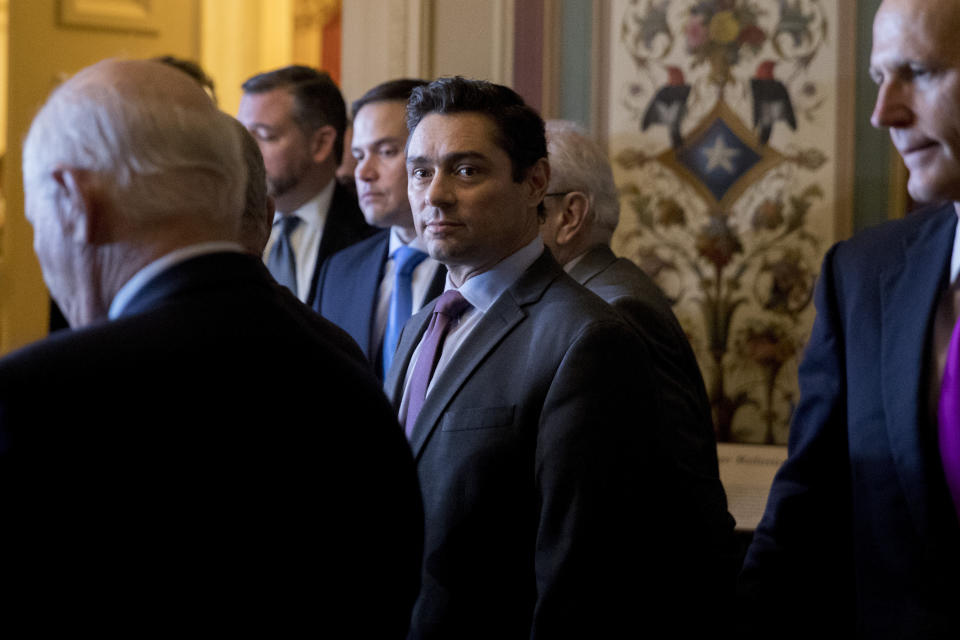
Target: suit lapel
[(361, 298), (594, 262), (499, 320), (436, 285), (410, 337), (344, 226), (909, 290), (503, 317)]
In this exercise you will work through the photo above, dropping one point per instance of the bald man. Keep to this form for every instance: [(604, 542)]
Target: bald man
[(146, 478), (860, 535)]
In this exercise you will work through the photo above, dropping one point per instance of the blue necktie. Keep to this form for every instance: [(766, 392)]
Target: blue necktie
[(282, 262), (405, 260)]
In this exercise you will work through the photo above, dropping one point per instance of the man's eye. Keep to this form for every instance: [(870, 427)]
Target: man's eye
[(466, 171), (388, 152), (358, 155), (420, 174)]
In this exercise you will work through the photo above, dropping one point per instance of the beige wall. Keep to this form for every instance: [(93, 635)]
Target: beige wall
[(240, 38), (40, 53), (386, 39)]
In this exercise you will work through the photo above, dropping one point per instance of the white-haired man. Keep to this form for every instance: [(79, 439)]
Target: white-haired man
[(147, 477), (582, 211)]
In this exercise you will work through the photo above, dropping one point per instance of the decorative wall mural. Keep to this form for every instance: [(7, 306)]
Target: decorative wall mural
[(722, 130)]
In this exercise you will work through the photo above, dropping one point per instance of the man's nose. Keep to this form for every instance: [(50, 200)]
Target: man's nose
[(439, 192), (892, 109), (366, 169)]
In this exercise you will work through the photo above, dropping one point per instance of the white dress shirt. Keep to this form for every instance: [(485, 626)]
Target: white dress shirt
[(305, 239)]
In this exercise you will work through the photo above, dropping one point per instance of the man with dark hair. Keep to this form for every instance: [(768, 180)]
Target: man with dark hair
[(529, 404), (372, 288), (298, 118), (193, 70)]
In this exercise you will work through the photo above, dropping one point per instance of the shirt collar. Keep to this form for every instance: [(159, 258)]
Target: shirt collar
[(483, 289), (574, 262), (313, 211), (955, 258), (396, 242), (142, 277)]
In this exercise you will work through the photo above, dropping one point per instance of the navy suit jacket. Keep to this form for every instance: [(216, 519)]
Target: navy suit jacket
[(348, 291), (345, 226), (154, 471), (709, 566), (538, 453), (859, 535)]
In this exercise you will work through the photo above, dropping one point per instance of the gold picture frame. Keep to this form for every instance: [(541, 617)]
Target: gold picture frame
[(117, 15)]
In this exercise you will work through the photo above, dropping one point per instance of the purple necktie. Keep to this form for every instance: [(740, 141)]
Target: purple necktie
[(449, 307), (948, 417)]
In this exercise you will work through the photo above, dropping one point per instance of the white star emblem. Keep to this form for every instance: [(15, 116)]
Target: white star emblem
[(720, 156)]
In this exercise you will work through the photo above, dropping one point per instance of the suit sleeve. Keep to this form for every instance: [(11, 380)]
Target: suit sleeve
[(596, 461), (798, 569)]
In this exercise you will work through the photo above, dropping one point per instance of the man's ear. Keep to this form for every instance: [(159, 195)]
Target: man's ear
[(83, 212), (322, 142), (573, 217), (537, 180)]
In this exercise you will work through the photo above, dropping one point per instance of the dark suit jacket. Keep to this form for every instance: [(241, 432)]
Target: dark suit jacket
[(218, 455), (537, 452), (345, 226), (711, 550), (859, 535), (349, 286)]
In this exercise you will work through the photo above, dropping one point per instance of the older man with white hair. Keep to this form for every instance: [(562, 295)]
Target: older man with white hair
[(146, 472), (582, 211)]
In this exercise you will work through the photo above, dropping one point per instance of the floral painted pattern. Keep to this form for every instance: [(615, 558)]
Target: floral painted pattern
[(725, 192)]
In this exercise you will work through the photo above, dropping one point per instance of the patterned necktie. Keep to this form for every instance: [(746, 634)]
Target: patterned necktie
[(450, 306), (282, 262), (948, 418), (405, 260)]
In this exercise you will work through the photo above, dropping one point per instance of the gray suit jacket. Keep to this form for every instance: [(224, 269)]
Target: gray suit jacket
[(709, 566), (537, 453)]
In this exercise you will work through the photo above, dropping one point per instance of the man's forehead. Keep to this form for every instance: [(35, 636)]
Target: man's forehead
[(907, 30), (380, 119), (275, 103), (447, 133)]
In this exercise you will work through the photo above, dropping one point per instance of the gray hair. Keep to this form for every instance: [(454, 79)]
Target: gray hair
[(577, 163), (161, 157)]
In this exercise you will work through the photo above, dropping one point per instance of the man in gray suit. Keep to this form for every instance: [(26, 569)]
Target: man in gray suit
[(582, 212), (537, 437)]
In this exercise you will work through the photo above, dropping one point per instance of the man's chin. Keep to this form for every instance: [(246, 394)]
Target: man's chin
[(923, 190)]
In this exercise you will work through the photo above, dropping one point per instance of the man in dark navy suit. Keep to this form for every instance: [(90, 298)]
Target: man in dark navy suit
[(298, 118), (147, 476), (373, 287), (860, 533)]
